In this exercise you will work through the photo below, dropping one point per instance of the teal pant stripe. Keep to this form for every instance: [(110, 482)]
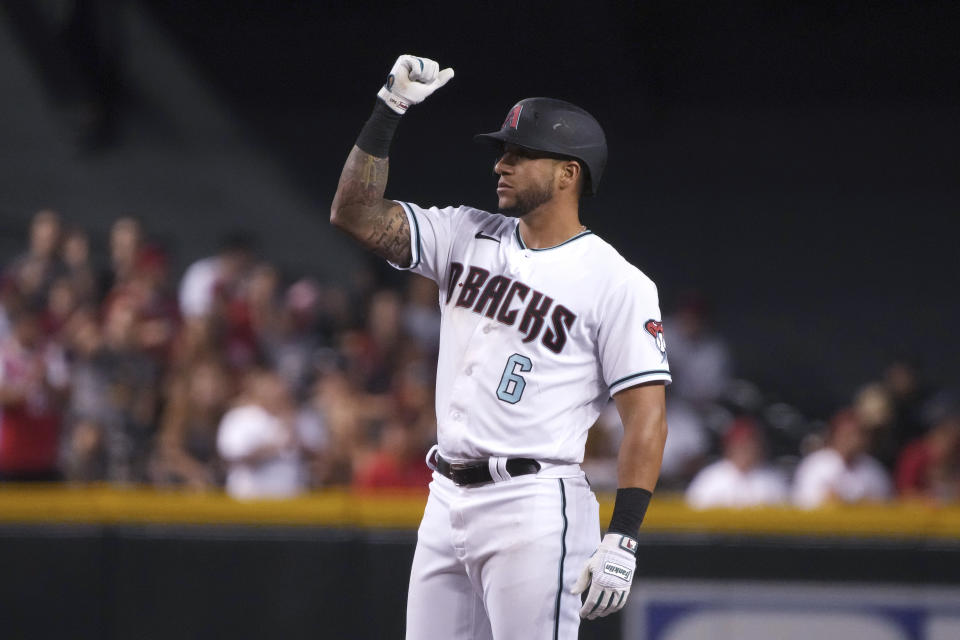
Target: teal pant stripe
[(563, 555)]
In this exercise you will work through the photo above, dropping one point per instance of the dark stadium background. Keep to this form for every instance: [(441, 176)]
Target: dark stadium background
[(795, 162)]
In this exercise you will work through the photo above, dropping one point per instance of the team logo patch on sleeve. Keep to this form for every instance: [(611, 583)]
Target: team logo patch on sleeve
[(655, 329)]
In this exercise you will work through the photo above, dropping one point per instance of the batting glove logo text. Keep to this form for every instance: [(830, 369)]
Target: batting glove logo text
[(617, 570)]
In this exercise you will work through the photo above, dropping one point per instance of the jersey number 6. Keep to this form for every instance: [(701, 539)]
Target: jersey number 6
[(512, 384)]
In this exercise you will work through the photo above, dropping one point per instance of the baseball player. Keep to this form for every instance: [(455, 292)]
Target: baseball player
[(542, 322)]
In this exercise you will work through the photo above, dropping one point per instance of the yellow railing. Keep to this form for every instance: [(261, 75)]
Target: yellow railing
[(340, 508)]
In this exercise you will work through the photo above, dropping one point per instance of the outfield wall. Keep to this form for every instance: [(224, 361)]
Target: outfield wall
[(111, 564)]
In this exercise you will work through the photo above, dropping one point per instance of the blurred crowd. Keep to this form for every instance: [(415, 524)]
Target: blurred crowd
[(236, 375), (731, 446)]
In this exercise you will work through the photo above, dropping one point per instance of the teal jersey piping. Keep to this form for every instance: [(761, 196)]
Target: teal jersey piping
[(416, 230), (567, 241), (639, 375)]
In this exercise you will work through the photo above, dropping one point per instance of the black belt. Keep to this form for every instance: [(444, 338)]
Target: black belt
[(466, 473)]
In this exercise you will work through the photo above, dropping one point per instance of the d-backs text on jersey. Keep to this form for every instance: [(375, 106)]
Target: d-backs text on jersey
[(494, 297)]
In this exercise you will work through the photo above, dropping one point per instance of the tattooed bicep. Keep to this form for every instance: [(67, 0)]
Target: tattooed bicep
[(389, 234), (359, 208)]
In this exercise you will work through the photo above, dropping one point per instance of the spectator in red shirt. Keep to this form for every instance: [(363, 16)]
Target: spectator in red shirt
[(397, 463), (146, 288), (929, 467), (61, 303), (33, 379)]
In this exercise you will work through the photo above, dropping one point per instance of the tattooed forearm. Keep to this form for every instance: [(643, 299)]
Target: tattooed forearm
[(364, 177), (360, 210), (362, 181)]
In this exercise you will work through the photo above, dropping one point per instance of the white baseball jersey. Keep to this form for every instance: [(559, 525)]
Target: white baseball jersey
[(533, 342)]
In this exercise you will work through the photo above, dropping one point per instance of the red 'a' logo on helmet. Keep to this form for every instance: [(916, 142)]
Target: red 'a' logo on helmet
[(513, 118)]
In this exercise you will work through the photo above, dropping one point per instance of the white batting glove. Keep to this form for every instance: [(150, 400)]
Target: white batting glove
[(610, 569), (411, 80)]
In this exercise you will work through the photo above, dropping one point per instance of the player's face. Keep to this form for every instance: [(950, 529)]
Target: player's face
[(527, 180)]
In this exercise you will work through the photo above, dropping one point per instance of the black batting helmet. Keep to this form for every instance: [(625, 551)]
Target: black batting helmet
[(555, 126)]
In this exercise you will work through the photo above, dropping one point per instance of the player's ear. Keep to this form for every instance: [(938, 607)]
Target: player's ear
[(570, 173)]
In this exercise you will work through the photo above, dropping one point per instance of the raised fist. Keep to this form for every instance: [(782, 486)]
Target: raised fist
[(411, 80)]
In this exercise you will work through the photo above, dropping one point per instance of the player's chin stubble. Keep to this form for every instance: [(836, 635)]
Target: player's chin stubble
[(529, 199)]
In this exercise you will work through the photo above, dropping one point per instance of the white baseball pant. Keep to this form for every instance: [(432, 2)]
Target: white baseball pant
[(498, 561)]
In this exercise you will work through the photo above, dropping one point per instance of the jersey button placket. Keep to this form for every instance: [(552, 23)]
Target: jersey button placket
[(465, 386)]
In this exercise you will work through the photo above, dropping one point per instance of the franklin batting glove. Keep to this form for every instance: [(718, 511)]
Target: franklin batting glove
[(411, 80), (610, 570)]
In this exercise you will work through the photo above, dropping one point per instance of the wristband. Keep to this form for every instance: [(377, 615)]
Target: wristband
[(628, 511), (378, 131)]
